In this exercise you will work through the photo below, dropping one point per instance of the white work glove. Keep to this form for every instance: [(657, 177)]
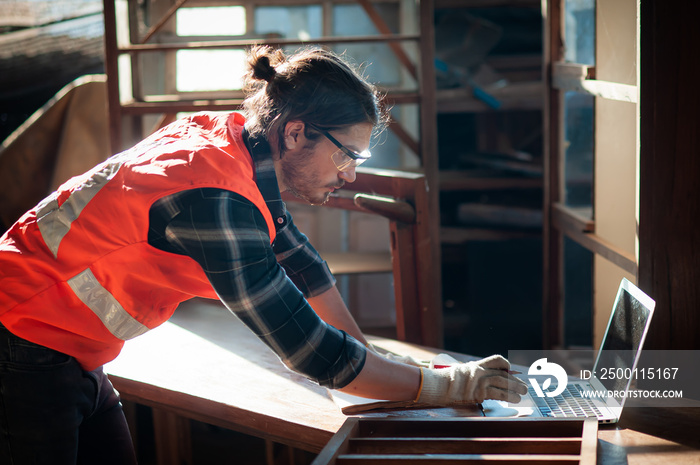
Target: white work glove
[(471, 382)]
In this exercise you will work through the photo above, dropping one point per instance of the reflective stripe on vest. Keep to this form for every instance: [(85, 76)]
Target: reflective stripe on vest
[(103, 304), (54, 221)]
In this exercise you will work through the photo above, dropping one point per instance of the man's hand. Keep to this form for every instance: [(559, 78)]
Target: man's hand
[(471, 382)]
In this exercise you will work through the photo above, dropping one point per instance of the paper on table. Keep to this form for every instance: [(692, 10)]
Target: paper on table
[(351, 405), (499, 408)]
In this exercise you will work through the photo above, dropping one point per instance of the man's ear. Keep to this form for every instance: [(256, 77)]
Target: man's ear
[(294, 137)]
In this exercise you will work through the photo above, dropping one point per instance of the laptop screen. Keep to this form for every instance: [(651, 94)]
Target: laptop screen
[(623, 338)]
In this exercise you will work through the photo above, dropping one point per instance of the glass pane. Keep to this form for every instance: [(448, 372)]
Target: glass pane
[(211, 21), (207, 70), (387, 150), (379, 62), (298, 22), (578, 150), (579, 31), (578, 292), (210, 70)]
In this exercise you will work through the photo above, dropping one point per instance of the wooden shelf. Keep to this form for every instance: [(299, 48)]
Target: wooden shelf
[(174, 104), (462, 440), (453, 235), (580, 230), (514, 96), (581, 78), (487, 3), (221, 101), (470, 181), (573, 218)]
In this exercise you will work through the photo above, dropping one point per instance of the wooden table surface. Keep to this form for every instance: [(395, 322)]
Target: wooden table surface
[(665, 436), (204, 364)]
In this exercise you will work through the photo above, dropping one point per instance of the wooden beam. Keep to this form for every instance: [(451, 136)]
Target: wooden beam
[(112, 69), (404, 136), (393, 209), (575, 219), (161, 22), (407, 276), (596, 244), (173, 438), (471, 181), (488, 3), (278, 3), (566, 70), (455, 236), (177, 105), (552, 298), (579, 78), (244, 43), (469, 445), (427, 199), (514, 96)]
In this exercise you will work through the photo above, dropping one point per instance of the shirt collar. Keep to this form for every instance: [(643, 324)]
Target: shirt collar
[(266, 178)]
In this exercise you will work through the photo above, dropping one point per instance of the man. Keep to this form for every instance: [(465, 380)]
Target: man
[(195, 210)]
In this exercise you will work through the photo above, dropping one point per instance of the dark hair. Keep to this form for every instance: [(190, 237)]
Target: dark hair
[(313, 85)]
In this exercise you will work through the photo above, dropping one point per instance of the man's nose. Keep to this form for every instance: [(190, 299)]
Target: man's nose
[(349, 175)]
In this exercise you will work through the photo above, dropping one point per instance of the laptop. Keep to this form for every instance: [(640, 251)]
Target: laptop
[(618, 355)]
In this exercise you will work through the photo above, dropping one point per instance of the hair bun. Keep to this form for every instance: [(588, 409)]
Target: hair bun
[(263, 69)]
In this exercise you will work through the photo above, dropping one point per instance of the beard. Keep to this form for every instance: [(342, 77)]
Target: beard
[(302, 180)]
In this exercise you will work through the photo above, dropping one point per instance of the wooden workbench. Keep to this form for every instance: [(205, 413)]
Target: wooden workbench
[(205, 365)]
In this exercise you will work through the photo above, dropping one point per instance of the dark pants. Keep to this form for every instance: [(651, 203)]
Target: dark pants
[(54, 412)]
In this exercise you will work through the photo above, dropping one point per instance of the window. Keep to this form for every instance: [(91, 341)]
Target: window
[(210, 70), (590, 201)]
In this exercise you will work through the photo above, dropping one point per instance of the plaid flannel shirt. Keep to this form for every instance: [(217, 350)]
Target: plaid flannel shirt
[(265, 286)]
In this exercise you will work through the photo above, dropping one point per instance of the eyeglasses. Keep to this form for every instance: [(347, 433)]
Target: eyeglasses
[(344, 158)]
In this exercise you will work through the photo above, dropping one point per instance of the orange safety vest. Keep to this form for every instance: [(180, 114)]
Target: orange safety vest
[(77, 273)]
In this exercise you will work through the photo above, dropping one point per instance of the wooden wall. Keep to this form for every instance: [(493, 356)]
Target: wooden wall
[(669, 216)]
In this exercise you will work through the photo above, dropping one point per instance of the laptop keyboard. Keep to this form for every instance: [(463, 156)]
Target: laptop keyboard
[(569, 404)]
